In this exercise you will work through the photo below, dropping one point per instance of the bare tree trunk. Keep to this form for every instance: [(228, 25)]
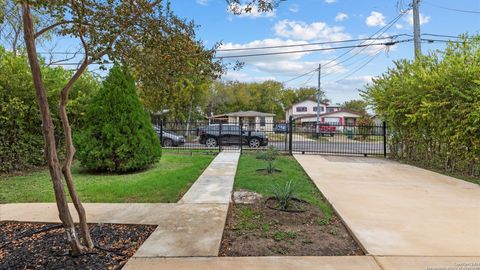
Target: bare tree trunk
[(48, 134), (67, 173)]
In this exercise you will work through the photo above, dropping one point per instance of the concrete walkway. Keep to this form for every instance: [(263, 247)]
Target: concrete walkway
[(192, 227), (400, 210), (182, 229), (216, 182)]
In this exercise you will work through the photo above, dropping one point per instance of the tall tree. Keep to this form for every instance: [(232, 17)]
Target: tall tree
[(358, 106), (104, 29), (173, 74), (118, 137)]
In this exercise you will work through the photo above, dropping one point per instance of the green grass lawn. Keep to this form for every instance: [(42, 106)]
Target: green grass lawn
[(165, 182), (249, 178)]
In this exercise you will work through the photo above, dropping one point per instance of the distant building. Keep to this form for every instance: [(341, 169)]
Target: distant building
[(305, 112), (251, 120)]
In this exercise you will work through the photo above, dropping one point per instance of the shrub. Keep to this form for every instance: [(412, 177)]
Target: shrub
[(21, 139), (284, 194), (432, 108), (269, 156), (117, 135)]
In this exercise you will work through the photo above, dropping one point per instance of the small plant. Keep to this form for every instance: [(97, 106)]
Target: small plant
[(248, 218), (269, 156), (325, 220), (284, 194), (281, 235), (265, 227)]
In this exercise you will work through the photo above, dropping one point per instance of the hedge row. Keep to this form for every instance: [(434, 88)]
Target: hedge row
[(432, 107)]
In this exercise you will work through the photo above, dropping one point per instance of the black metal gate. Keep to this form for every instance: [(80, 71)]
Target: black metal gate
[(289, 137)]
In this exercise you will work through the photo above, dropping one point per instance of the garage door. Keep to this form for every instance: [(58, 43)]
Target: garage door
[(332, 120)]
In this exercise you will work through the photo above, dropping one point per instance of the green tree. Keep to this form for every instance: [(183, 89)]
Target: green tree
[(105, 30), (358, 106), (117, 135)]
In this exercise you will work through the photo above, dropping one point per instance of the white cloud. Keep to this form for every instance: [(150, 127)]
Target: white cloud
[(202, 2), (233, 75), (253, 11), (299, 30), (375, 19), (423, 19), (294, 8), (341, 17), (282, 64), (398, 26), (330, 1)]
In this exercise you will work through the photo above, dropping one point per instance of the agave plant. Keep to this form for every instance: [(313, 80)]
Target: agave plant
[(284, 194)]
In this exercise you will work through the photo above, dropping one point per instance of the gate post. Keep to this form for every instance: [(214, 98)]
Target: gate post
[(161, 132), (290, 134), (241, 134), (219, 142), (384, 131)]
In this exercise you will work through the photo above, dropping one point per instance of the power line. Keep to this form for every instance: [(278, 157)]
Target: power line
[(452, 9), (362, 66), (299, 76), (308, 44), (380, 32), (390, 43)]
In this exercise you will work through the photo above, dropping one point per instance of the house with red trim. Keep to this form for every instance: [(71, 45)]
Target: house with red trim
[(305, 113)]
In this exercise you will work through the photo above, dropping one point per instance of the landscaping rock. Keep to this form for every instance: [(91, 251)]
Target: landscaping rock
[(242, 196)]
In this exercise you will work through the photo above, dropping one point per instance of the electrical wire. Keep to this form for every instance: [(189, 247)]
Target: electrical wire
[(307, 44), (362, 66), (452, 9), (380, 32), (312, 50)]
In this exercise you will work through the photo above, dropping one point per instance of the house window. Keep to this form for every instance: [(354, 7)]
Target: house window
[(330, 109), (315, 109), (262, 121), (301, 109)]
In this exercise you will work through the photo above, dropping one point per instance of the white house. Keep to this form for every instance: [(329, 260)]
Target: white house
[(251, 120), (305, 107), (305, 112)]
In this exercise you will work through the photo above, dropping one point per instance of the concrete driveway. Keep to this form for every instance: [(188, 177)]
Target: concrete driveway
[(400, 210)]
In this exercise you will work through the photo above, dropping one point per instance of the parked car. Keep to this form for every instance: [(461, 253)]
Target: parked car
[(169, 138), (229, 134), (280, 128)]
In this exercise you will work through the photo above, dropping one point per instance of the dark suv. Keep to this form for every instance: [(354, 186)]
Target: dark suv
[(229, 134)]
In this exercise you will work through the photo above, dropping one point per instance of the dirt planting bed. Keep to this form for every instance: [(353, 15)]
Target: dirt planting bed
[(256, 230), (44, 246)]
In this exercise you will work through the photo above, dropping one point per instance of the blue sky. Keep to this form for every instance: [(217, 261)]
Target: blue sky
[(307, 21)]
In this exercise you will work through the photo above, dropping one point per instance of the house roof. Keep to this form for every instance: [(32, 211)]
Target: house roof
[(298, 116), (323, 103), (244, 114)]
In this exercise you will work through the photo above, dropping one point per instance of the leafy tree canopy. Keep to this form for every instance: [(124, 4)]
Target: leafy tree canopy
[(358, 106), (432, 107)]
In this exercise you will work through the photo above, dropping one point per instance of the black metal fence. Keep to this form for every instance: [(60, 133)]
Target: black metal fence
[(288, 137)]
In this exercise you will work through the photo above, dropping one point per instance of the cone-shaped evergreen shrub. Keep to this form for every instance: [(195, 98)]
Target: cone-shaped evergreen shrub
[(117, 135)]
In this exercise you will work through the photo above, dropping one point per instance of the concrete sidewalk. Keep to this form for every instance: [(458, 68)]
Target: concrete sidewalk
[(255, 263), (216, 182), (400, 210), (192, 227)]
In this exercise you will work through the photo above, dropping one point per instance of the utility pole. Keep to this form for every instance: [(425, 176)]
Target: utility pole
[(416, 28), (318, 99)]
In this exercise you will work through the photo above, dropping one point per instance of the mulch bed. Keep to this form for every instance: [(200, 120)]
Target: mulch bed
[(256, 230), (47, 247)]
